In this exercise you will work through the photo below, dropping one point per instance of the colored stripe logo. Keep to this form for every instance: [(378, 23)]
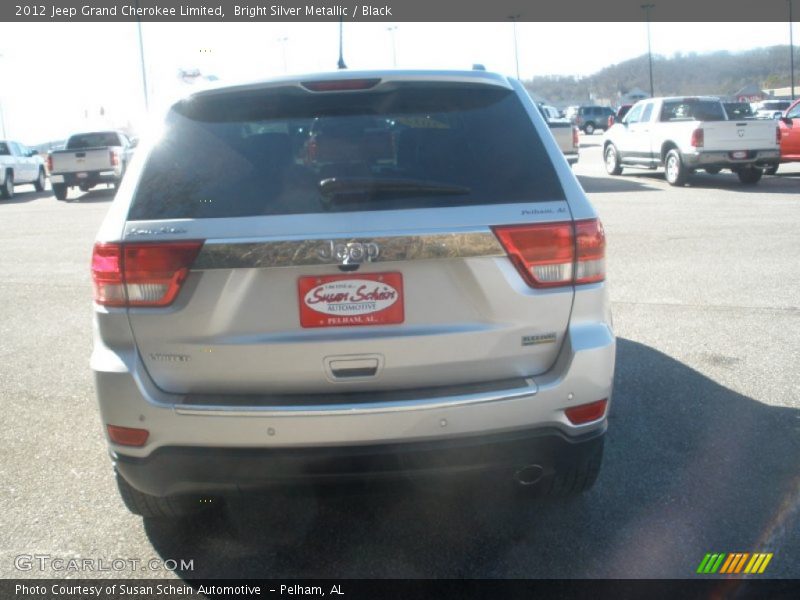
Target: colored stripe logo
[(734, 563)]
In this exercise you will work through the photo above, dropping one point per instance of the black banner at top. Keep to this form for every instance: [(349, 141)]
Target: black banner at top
[(287, 11)]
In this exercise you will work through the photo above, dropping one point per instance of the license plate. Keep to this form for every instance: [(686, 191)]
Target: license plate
[(56, 179), (81, 175), (739, 154), (351, 300)]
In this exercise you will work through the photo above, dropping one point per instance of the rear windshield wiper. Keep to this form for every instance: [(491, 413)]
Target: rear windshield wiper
[(339, 187)]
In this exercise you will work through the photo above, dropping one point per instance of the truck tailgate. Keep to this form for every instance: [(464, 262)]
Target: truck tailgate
[(739, 135), (91, 159)]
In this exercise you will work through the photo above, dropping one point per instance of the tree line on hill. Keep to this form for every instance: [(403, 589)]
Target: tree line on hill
[(718, 74)]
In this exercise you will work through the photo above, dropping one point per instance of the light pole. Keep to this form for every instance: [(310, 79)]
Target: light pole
[(391, 31), (282, 41), (141, 59), (647, 8), (791, 46), (514, 19)]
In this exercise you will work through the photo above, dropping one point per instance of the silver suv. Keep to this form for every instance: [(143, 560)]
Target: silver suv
[(350, 275)]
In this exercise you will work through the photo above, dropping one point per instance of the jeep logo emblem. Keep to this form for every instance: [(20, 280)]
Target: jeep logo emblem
[(349, 253)]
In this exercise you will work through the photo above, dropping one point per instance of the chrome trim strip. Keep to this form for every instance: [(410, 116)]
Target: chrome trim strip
[(293, 253), (334, 410)]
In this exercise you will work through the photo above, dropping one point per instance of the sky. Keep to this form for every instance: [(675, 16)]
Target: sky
[(60, 75)]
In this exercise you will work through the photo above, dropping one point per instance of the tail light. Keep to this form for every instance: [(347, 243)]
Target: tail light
[(556, 254), (141, 274), (698, 138), (114, 157), (778, 135), (49, 163), (610, 120), (576, 139), (586, 413)]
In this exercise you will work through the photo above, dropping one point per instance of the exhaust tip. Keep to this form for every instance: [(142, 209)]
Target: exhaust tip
[(529, 475)]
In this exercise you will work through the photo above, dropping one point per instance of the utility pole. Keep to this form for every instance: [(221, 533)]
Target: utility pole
[(647, 8), (514, 19), (282, 41), (791, 46), (141, 59), (391, 31)]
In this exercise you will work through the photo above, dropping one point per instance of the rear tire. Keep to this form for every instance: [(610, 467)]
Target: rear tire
[(674, 171), (7, 190), (154, 507), (60, 191), (611, 159), (749, 175), (40, 181), (771, 170)]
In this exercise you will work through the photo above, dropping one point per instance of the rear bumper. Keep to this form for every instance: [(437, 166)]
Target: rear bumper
[(91, 177), (757, 158), (183, 470)]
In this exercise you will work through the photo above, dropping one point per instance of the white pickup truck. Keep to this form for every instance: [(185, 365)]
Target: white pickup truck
[(686, 134), (89, 159), (19, 165)]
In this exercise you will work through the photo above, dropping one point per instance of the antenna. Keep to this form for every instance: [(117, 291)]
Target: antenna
[(341, 64)]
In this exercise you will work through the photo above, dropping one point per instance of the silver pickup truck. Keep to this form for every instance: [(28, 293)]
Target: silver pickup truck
[(89, 159), (564, 132)]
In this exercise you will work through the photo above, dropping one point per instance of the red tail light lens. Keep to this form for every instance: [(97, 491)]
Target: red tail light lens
[(127, 436), (610, 120), (778, 135), (698, 138), (543, 254), (586, 413), (341, 85), (49, 163), (590, 246), (114, 157), (142, 274), (555, 254), (576, 139)]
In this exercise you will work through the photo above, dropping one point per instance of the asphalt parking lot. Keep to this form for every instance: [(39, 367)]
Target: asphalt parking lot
[(703, 446)]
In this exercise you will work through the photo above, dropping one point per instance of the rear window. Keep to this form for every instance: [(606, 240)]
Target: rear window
[(692, 110), (289, 151), (92, 140)]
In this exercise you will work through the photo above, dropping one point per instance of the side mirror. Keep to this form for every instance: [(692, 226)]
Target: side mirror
[(787, 121), (134, 142), (33, 152)]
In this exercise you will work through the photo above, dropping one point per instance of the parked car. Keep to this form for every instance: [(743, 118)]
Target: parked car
[(590, 118), (771, 109), (789, 125), (738, 110), (19, 165), (564, 132), (89, 159), (685, 134), (259, 321), (619, 115)]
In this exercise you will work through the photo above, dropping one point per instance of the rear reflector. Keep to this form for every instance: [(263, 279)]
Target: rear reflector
[(127, 436), (340, 85), (141, 274), (586, 413), (556, 254)]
